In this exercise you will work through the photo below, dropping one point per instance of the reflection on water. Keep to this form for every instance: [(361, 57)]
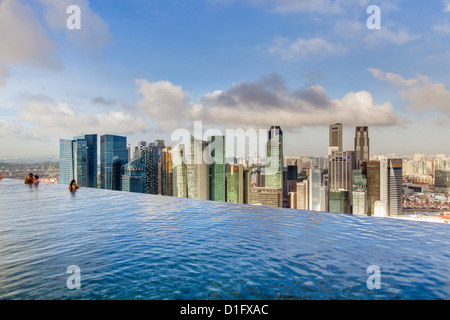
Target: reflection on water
[(134, 246)]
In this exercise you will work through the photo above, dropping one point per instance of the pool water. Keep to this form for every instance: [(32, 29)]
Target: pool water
[(137, 246)]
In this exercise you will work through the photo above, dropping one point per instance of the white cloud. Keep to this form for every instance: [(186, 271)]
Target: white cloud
[(23, 39), (46, 119), (355, 32), (261, 104), (305, 48), (443, 29), (12, 129), (446, 5), (162, 102), (386, 35), (420, 91)]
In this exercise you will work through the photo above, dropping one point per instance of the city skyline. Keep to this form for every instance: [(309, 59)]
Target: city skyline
[(343, 182), (212, 60)]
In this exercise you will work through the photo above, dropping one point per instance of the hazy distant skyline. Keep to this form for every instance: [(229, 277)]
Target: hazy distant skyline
[(144, 68)]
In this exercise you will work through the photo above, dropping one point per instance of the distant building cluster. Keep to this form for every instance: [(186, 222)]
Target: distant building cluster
[(348, 181), (342, 182), (47, 171)]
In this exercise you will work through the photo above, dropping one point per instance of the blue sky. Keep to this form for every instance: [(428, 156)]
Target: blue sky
[(144, 68)]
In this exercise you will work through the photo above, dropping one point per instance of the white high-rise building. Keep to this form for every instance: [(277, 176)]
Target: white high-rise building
[(316, 191), (390, 188), (179, 173)]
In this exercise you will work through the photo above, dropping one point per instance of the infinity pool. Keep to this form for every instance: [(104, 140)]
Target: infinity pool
[(136, 246)]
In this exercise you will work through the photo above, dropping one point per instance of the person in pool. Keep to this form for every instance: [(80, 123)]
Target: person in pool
[(73, 186), (29, 179), (36, 180)]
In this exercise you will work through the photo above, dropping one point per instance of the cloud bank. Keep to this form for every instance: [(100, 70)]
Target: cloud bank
[(260, 104)]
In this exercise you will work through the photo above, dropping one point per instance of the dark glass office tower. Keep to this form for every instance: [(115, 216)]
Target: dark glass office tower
[(113, 155), (133, 177), (292, 173), (361, 146), (152, 155), (373, 185), (85, 160), (335, 143)]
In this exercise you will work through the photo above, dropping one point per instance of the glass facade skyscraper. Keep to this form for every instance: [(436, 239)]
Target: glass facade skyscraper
[(66, 174), (133, 177), (339, 201), (78, 160), (217, 170), (113, 155), (85, 160), (316, 190), (152, 154), (373, 185), (235, 183)]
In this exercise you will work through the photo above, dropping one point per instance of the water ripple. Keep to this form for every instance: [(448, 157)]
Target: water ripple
[(134, 246)]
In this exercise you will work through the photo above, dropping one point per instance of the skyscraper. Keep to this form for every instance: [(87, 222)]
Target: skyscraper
[(271, 197), (133, 178), (85, 160), (395, 191), (339, 201), (139, 150), (235, 183), (217, 170), (274, 167), (341, 170), (247, 185), (373, 185), (316, 190), (152, 154), (165, 168), (303, 195), (359, 196), (113, 155), (361, 146), (335, 143), (66, 173), (129, 153), (179, 172), (340, 177), (197, 171), (292, 173), (390, 188)]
